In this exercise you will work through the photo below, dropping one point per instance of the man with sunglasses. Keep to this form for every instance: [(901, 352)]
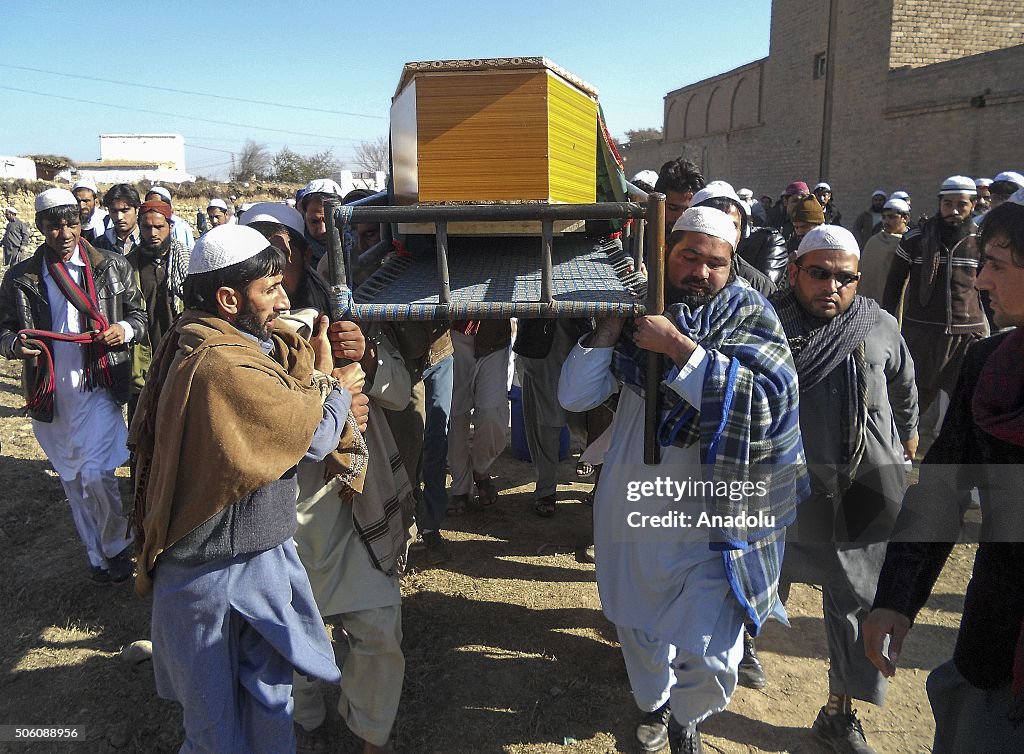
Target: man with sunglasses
[(858, 418)]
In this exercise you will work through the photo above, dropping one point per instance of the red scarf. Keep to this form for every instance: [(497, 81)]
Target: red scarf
[(97, 365), (998, 402)]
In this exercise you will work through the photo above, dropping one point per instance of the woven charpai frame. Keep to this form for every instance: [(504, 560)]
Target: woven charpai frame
[(495, 278)]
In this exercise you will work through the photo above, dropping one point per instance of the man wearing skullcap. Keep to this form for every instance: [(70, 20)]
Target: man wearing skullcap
[(880, 249), (823, 193), (70, 312), (858, 418), (234, 402), (160, 264), (680, 589), (942, 313), (311, 205), (984, 203), (94, 218), (181, 231), (16, 238), (863, 226), (977, 697), (122, 203), (353, 553)]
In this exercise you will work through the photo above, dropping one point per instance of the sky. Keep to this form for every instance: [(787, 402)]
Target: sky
[(316, 74)]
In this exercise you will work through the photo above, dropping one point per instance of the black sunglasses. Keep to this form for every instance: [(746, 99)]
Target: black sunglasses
[(843, 278)]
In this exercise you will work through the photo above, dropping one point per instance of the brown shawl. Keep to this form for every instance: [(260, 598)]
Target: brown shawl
[(216, 421)]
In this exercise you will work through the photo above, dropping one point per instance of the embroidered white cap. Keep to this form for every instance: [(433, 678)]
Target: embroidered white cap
[(275, 212), (318, 186), (224, 246), (1010, 177), (55, 197), (646, 176), (898, 205), (958, 184), (710, 221), (86, 183), (878, 192), (745, 194), (161, 191), (715, 189), (982, 182), (823, 185), (11, 211), (217, 204), (903, 195), (828, 237)]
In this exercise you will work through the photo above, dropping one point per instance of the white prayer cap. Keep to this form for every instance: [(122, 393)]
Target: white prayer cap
[(1018, 197), (217, 204), (11, 210), (958, 184), (710, 221), (319, 186), (715, 189), (823, 185), (85, 183), (898, 205), (745, 194), (161, 191), (828, 237), (275, 212), (55, 197), (224, 246), (290, 202), (878, 192), (901, 195), (1010, 177), (645, 176), (982, 182)]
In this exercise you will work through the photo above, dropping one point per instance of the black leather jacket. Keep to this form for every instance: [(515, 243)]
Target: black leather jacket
[(24, 304), (765, 250)]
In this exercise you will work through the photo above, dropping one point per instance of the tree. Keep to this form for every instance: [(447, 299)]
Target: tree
[(373, 155), (252, 162), (642, 134), (292, 167)]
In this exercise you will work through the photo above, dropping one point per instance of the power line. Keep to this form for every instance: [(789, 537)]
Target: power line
[(176, 115), (192, 93)]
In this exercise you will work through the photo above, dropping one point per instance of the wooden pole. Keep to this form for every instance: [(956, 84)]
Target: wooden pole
[(655, 236)]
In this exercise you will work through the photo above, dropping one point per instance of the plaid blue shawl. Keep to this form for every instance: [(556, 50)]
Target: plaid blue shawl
[(748, 427)]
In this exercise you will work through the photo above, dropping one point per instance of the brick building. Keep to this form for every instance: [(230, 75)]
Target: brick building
[(864, 94)]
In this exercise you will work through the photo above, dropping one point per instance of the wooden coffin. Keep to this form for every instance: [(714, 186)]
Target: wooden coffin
[(493, 131)]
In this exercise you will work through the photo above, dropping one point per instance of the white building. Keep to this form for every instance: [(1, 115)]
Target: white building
[(17, 167), (129, 158), (349, 180)]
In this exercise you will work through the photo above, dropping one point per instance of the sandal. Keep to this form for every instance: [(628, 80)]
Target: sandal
[(457, 505), (487, 495), (316, 741), (545, 506), (584, 470)]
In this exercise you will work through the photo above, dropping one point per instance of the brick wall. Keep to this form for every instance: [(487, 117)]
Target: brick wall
[(891, 129), (926, 32)]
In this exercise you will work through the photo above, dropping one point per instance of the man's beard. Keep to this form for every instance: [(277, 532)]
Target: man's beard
[(85, 216), (155, 251), (694, 292), (252, 323)]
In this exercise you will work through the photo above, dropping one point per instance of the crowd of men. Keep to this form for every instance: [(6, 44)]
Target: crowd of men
[(282, 462)]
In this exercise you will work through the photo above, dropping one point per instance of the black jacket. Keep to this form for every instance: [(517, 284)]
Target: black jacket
[(964, 457), (765, 250), (24, 305)]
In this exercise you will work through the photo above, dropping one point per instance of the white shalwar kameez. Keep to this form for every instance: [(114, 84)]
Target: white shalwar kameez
[(666, 591), (87, 439)]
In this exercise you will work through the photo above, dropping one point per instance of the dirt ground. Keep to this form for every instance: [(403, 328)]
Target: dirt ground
[(506, 646)]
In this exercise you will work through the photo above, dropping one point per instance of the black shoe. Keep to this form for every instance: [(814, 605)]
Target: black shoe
[(652, 732), (99, 576), (437, 548), (751, 672), (122, 567), (842, 733), (682, 742)]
